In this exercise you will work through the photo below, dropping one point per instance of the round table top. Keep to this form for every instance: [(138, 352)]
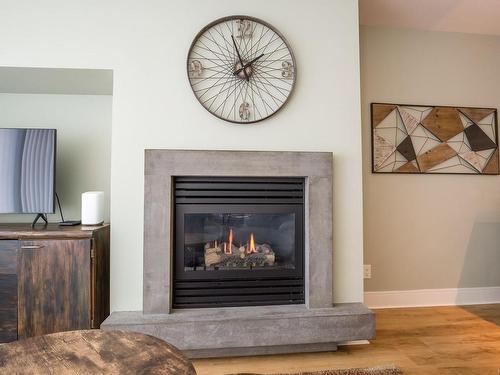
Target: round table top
[(93, 352)]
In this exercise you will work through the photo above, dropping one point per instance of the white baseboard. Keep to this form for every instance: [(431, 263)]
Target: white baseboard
[(432, 297)]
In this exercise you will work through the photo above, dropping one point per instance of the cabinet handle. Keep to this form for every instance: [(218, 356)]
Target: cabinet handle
[(32, 247)]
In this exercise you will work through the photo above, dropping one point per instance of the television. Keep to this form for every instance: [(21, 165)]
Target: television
[(27, 171)]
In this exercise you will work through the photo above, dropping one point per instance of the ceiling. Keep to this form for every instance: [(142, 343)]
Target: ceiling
[(467, 16)]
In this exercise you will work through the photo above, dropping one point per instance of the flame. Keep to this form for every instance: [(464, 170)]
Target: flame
[(251, 247), (230, 240)]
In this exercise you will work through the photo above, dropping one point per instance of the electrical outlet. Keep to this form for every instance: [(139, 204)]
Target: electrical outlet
[(367, 271)]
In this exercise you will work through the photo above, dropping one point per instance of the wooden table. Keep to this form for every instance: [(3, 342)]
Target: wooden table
[(93, 352)]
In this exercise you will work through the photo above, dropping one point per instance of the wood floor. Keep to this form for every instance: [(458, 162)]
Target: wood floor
[(451, 340)]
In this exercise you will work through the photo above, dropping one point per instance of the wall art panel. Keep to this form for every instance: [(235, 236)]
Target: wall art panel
[(434, 139)]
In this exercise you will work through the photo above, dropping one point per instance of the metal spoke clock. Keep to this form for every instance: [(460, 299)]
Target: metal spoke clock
[(241, 69)]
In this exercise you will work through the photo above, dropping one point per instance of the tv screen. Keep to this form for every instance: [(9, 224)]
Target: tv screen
[(27, 170)]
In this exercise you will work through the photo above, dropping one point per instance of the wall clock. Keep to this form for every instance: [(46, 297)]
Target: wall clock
[(241, 69)]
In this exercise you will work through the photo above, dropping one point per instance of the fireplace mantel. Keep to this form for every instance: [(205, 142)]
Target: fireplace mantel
[(162, 165), (315, 326)]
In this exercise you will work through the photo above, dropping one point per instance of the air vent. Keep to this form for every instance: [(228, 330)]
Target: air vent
[(228, 190)]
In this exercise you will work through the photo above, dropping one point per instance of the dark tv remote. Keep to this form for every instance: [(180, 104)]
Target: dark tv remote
[(70, 223)]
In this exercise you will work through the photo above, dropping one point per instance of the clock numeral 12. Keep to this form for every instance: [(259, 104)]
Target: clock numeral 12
[(244, 28)]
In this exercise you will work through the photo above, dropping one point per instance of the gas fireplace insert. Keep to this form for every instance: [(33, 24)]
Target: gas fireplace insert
[(238, 241)]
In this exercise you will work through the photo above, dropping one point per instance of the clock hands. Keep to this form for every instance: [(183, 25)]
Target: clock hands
[(239, 57), (244, 67)]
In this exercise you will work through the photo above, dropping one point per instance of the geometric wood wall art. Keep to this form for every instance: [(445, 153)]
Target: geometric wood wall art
[(434, 139)]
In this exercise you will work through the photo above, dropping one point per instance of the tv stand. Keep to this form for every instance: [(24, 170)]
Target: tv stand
[(38, 217), (52, 279)]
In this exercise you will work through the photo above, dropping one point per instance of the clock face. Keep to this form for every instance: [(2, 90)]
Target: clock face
[(241, 69)]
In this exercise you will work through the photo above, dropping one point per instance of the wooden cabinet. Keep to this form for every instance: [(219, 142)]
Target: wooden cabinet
[(53, 286), (8, 290), (52, 279)]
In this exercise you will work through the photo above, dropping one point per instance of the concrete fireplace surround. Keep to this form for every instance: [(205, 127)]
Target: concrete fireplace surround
[(212, 332)]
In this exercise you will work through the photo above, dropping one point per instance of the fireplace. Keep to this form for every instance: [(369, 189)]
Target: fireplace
[(260, 244), (238, 241)]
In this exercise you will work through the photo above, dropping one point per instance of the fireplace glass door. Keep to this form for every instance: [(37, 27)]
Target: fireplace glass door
[(240, 244)]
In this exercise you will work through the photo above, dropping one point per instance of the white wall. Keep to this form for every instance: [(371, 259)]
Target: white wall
[(146, 43), (429, 231), (83, 124)]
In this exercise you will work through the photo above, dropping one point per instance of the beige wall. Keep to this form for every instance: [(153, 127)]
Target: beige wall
[(145, 43), (83, 124), (429, 231)]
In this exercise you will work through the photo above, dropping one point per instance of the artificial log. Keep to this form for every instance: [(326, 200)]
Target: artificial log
[(238, 257)]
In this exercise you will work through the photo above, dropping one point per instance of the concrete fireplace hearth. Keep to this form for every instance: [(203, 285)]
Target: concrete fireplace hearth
[(316, 325)]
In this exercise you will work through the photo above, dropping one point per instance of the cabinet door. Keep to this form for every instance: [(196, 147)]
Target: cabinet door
[(8, 290), (54, 286)]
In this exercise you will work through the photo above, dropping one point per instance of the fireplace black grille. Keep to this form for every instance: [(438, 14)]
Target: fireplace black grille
[(197, 285), (239, 190), (191, 294)]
